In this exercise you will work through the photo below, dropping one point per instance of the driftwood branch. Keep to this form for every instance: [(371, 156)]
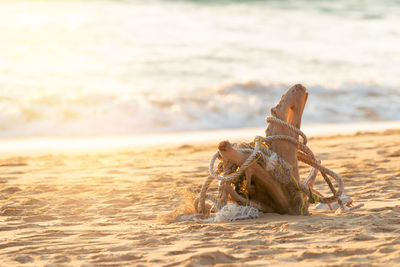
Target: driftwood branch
[(272, 183), (260, 176), (265, 190), (289, 109)]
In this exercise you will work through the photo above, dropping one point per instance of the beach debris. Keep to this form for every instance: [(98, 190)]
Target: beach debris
[(346, 200), (263, 175), (232, 212)]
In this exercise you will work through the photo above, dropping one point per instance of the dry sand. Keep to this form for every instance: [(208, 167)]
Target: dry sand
[(101, 209)]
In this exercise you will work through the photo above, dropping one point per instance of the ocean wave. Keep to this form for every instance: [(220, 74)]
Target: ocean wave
[(234, 105)]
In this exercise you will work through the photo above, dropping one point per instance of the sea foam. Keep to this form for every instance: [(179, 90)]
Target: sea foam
[(234, 105)]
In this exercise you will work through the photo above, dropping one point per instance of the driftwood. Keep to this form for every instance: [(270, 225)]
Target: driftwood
[(289, 109), (264, 174), (265, 190)]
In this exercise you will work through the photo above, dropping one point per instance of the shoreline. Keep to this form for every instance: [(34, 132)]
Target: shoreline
[(43, 145)]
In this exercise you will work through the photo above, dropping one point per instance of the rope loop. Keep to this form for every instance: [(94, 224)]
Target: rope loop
[(270, 119), (249, 161), (261, 149)]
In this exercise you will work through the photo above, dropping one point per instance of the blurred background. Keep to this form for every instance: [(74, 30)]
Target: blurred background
[(101, 68)]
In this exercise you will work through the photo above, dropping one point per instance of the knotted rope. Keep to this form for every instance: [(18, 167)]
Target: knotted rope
[(261, 149)]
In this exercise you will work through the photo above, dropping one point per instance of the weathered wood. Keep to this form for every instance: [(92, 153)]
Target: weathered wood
[(289, 109), (265, 190), (269, 192), (238, 198)]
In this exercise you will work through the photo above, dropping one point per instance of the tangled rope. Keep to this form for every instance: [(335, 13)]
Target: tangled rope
[(261, 149)]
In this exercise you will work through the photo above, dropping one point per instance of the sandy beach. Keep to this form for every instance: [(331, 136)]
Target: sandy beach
[(110, 112), (104, 209)]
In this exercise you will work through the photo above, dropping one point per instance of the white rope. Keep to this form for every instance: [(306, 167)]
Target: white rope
[(270, 119), (308, 158), (239, 172), (304, 154)]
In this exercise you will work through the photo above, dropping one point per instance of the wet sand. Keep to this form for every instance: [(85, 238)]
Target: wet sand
[(100, 209)]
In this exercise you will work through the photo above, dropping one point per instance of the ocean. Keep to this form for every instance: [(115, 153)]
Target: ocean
[(103, 68)]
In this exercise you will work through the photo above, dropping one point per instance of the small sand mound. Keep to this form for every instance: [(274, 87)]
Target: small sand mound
[(210, 258), (11, 212), (24, 259), (11, 190)]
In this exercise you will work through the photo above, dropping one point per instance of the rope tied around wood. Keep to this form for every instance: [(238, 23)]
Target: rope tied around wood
[(276, 165)]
